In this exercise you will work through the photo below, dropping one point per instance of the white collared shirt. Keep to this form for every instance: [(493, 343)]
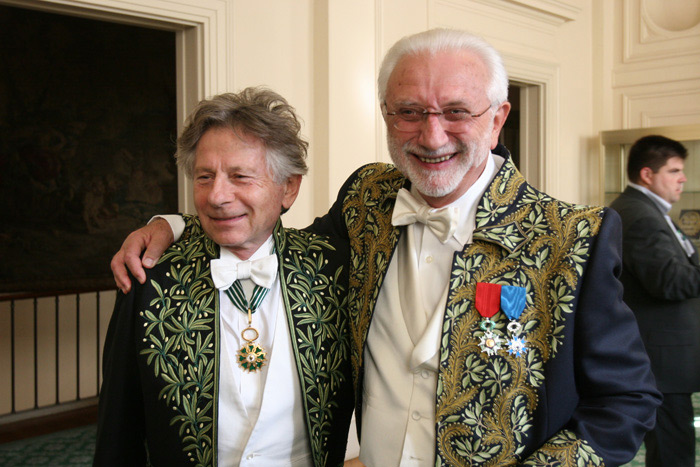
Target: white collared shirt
[(665, 207), (233, 321), (260, 419)]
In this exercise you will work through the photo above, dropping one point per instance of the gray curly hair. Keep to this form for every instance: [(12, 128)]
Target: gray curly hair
[(255, 111)]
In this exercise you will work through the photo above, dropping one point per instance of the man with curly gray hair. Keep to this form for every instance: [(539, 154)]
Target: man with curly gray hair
[(235, 349)]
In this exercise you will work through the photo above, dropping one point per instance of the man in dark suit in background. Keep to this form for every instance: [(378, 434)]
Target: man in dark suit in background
[(661, 276)]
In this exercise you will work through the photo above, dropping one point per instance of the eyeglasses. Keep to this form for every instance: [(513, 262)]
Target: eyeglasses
[(454, 119)]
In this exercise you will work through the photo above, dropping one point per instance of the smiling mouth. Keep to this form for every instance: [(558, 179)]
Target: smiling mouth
[(435, 160), (228, 218)]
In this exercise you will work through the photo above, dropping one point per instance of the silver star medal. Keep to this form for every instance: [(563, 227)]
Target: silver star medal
[(490, 342)]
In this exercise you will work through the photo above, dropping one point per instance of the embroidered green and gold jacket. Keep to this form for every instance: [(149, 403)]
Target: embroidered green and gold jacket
[(158, 404), (582, 394)]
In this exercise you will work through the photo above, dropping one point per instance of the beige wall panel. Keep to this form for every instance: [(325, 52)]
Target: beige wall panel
[(107, 300), (272, 45), (575, 179), (67, 375), (507, 26), (603, 49), (650, 106), (659, 29), (353, 116), (656, 64), (659, 71), (88, 345), (24, 355), (399, 18)]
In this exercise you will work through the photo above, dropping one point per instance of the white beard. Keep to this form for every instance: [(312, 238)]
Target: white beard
[(436, 184)]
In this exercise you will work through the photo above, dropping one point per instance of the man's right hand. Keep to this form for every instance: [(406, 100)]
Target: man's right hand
[(155, 238)]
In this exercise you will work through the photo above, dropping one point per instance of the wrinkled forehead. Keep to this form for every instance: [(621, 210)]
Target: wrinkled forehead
[(438, 79)]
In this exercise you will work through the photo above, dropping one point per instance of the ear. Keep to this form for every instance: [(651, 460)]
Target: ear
[(499, 119), (291, 191), (645, 176)]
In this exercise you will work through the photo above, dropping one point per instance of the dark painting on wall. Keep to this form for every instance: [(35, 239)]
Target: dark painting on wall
[(87, 131)]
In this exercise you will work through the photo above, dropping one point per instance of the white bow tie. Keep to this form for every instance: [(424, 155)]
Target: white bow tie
[(408, 210), (262, 271)]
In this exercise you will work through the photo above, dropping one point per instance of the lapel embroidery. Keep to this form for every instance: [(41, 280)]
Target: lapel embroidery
[(183, 352), (522, 237), (315, 301), (367, 212)]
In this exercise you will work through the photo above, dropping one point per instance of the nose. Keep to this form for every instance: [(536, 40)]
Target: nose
[(432, 134), (683, 178), (221, 192)]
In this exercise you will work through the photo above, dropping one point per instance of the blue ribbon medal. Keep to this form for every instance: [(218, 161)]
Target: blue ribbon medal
[(513, 302)]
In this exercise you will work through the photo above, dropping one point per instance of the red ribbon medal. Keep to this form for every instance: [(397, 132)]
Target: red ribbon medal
[(488, 299), (487, 303)]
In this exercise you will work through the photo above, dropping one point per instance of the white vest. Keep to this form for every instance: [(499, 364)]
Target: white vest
[(398, 413), (279, 433)]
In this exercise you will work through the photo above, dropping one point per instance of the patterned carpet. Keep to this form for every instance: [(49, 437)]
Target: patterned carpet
[(70, 447), (75, 447)]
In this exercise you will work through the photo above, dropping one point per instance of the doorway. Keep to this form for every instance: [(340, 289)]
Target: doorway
[(522, 133)]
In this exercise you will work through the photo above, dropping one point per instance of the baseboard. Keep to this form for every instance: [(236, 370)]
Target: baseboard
[(43, 424)]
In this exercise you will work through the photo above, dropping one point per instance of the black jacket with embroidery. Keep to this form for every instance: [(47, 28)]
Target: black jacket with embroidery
[(583, 393), (159, 397)]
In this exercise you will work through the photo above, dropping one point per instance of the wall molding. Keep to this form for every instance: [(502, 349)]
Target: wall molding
[(544, 75), (654, 108), (646, 41)]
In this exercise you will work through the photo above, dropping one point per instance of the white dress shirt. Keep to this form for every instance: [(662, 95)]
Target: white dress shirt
[(402, 350), (233, 321), (665, 207), (260, 416)]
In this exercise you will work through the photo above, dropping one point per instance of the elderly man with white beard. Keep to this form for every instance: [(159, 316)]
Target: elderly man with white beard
[(486, 317)]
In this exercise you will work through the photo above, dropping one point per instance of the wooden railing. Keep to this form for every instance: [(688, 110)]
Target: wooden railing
[(51, 350)]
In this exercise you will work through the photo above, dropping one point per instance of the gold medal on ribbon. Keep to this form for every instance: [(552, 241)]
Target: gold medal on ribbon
[(251, 357)]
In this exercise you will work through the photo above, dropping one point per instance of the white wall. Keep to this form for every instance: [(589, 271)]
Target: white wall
[(600, 65)]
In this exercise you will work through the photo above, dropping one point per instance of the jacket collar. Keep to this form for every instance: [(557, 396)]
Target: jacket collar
[(496, 218)]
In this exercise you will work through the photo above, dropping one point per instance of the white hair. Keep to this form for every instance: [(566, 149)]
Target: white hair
[(439, 40)]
